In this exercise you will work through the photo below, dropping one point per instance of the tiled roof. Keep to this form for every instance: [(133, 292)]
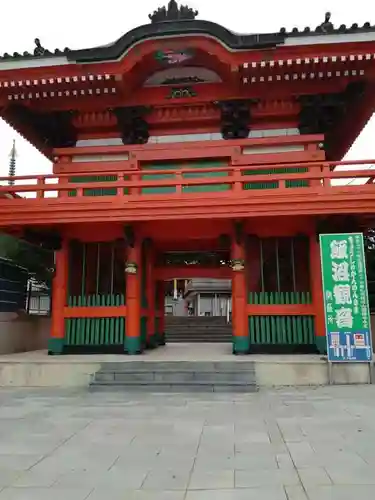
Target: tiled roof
[(189, 26)]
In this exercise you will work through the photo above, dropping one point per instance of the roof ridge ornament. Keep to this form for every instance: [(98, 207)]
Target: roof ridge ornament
[(39, 49), (173, 13), (326, 26)]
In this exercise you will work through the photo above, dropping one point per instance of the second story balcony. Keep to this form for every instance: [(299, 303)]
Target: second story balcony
[(218, 179)]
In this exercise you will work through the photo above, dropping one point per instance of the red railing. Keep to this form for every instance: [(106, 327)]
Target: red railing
[(129, 183)]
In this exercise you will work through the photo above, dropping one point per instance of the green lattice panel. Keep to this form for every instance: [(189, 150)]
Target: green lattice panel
[(275, 184), (95, 331), (202, 188), (281, 330), (100, 191), (279, 298)]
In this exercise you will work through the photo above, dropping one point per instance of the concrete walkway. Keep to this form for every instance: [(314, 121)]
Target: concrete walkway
[(281, 445), (170, 352)]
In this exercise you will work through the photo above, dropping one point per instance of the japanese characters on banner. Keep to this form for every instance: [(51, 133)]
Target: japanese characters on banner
[(346, 297)]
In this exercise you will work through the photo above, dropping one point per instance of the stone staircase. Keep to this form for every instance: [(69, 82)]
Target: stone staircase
[(197, 329), (176, 376)]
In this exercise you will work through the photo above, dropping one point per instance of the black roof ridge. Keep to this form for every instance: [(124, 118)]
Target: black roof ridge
[(234, 41)]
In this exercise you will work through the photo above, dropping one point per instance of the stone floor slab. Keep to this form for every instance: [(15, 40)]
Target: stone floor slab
[(105, 494), (45, 494), (275, 445), (244, 494), (167, 480), (261, 478), (340, 492), (211, 480)]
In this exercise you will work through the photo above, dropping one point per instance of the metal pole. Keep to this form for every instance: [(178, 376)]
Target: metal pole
[(330, 381)]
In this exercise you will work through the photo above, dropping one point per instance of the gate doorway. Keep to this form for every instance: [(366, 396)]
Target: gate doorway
[(197, 297)]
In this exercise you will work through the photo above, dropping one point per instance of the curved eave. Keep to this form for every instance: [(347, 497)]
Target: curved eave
[(175, 28)]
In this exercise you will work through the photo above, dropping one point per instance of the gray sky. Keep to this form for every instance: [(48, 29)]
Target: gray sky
[(83, 23)]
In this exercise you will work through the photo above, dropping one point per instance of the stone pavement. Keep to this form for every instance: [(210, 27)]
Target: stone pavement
[(314, 444)]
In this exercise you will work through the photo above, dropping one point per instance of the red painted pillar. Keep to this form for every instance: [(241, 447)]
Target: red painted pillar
[(161, 311), (241, 338), (151, 298), (317, 294), (59, 295), (133, 341)]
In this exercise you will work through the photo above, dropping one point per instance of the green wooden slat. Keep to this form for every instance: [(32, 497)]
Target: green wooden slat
[(258, 333), (273, 326), (122, 331), (299, 338), (102, 331), (311, 330), (95, 323), (88, 340), (295, 332), (94, 192), (106, 331), (281, 330), (117, 322), (117, 331), (74, 327), (284, 334), (68, 339), (269, 332), (278, 330), (305, 330), (252, 330), (79, 338), (263, 330)]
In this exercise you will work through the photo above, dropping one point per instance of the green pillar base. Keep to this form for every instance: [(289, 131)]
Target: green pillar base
[(152, 342), (133, 345), (55, 346), (143, 328), (241, 345), (321, 344)]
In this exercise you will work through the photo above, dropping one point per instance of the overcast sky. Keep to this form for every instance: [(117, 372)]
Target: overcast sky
[(83, 23)]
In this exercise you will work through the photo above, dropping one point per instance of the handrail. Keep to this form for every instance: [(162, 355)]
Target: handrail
[(225, 168), (320, 173)]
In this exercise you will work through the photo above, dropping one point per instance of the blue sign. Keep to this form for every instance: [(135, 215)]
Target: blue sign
[(349, 346)]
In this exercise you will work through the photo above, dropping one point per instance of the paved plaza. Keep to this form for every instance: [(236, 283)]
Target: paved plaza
[(315, 444)]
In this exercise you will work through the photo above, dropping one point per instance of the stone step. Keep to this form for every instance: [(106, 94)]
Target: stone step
[(184, 340), (161, 388), (199, 328), (197, 340), (167, 366), (176, 377), (194, 333)]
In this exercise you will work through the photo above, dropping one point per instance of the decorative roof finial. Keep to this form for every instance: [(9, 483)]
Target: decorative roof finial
[(173, 13), (327, 25), (12, 164), (39, 50)]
